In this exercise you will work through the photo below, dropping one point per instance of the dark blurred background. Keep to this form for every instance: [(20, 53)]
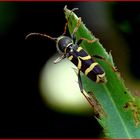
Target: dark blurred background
[(23, 113)]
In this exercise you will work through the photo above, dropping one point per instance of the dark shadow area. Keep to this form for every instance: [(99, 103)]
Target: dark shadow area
[(23, 113)]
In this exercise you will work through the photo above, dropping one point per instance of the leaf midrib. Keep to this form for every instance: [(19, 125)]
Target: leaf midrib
[(117, 112)]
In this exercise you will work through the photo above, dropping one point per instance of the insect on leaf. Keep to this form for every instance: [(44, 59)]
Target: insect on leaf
[(118, 110)]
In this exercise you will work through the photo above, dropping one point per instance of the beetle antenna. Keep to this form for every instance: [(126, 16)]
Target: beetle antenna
[(44, 35), (66, 24), (71, 10)]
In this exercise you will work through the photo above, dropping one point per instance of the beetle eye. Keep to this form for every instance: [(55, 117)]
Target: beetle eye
[(62, 45)]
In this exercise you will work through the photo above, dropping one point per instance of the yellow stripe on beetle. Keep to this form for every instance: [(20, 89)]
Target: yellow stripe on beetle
[(79, 49), (100, 78), (79, 64), (85, 57), (70, 57), (90, 68)]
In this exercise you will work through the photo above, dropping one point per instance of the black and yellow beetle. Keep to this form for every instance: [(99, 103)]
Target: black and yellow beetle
[(69, 47)]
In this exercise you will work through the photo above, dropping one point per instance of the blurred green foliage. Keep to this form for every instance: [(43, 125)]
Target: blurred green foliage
[(8, 16)]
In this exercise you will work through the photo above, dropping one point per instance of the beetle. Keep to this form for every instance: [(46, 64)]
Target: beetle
[(69, 47)]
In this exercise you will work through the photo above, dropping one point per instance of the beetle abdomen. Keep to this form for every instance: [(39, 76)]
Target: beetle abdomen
[(87, 65)]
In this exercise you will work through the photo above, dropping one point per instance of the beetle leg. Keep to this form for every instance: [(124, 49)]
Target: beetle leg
[(65, 28), (87, 40), (73, 38), (59, 59), (106, 61), (79, 42), (83, 92), (80, 81), (66, 24), (81, 39), (90, 98), (76, 28)]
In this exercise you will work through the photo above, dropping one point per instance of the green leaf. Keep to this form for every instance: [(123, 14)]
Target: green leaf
[(117, 109)]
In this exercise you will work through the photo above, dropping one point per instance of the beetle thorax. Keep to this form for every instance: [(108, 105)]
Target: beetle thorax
[(62, 43)]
